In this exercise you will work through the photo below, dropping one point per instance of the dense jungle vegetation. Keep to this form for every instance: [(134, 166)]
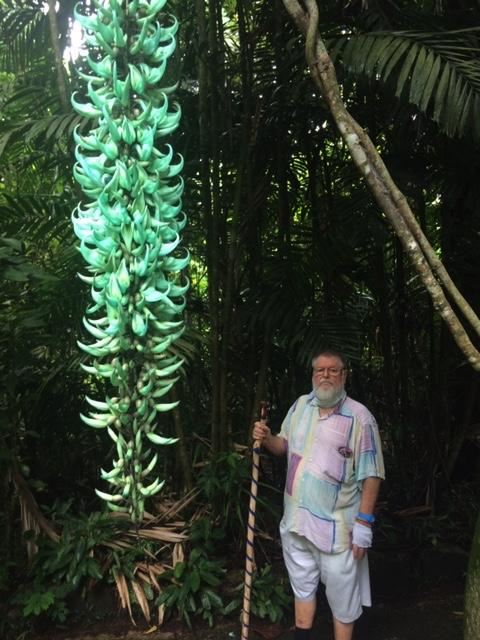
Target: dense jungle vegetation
[(289, 252)]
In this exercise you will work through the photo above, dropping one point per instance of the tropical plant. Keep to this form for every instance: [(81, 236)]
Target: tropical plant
[(128, 229), (436, 69), (194, 588), (61, 566), (271, 596)]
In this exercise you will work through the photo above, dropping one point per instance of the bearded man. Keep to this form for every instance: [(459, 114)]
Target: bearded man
[(335, 467)]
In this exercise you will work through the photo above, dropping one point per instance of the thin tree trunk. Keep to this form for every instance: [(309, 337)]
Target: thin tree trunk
[(182, 454), (212, 250), (402, 350), (242, 201), (55, 38), (220, 429), (386, 341)]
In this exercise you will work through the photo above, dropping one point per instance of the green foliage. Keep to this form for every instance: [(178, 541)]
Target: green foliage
[(435, 71), (36, 603), (51, 603), (194, 588), (271, 596), (60, 568), (224, 482), (72, 559), (206, 535)]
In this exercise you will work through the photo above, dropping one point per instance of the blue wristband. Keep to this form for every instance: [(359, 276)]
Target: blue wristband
[(367, 517)]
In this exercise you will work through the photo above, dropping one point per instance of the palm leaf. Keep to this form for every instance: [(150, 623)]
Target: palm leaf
[(439, 72), (25, 32)]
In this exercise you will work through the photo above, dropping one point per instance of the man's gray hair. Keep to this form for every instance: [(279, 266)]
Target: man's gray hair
[(333, 353)]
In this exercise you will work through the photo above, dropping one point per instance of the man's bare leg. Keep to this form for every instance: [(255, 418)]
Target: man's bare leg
[(342, 630), (304, 613)]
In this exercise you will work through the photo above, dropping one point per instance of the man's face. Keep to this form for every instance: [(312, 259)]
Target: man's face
[(328, 378)]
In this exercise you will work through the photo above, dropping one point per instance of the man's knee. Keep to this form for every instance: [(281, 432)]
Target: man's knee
[(304, 613), (342, 630)]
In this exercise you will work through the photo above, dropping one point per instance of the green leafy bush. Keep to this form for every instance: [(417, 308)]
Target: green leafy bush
[(224, 482), (59, 568), (270, 595), (193, 588)]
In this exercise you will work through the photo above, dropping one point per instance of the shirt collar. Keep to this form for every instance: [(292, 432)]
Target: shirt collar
[(313, 401)]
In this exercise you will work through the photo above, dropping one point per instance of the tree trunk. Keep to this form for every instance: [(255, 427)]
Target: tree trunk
[(183, 460), (55, 38), (220, 429), (212, 249), (402, 348), (472, 592), (385, 326)]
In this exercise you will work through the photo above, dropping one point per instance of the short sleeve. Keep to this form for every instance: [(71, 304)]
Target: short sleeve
[(368, 451)]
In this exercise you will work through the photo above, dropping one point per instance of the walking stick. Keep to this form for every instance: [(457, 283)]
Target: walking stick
[(249, 558)]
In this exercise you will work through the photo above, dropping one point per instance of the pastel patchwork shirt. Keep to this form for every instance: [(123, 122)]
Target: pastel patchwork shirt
[(328, 459)]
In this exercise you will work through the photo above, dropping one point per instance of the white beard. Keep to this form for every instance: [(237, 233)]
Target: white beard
[(328, 397)]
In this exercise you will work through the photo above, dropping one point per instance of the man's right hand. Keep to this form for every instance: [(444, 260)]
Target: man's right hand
[(260, 431)]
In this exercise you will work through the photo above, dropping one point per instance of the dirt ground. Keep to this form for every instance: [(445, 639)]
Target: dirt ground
[(416, 596)]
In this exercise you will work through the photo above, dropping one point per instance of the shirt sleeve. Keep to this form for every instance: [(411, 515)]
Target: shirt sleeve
[(368, 450)]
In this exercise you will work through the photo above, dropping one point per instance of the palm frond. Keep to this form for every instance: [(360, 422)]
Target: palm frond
[(24, 32), (39, 125), (439, 72)]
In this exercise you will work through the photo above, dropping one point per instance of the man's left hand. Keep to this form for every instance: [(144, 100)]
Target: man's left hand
[(362, 536)]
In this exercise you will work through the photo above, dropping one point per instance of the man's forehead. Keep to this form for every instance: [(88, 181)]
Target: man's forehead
[(327, 360)]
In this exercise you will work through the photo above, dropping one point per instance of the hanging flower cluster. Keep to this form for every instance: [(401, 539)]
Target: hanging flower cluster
[(129, 231)]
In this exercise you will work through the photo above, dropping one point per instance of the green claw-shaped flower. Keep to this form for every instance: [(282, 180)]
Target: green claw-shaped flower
[(129, 232)]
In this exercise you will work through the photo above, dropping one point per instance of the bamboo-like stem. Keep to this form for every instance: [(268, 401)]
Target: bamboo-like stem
[(392, 202), (54, 36)]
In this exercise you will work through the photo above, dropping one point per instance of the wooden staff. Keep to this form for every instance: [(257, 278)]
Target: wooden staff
[(249, 556)]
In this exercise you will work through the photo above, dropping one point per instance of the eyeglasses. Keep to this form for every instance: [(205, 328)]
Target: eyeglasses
[(332, 371)]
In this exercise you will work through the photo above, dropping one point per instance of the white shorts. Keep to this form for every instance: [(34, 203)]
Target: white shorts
[(346, 580)]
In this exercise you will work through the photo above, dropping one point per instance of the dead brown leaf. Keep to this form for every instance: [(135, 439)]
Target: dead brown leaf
[(122, 589), (141, 598), (178, 554)]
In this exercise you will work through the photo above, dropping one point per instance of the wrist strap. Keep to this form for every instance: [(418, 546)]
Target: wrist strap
[(368, 517)]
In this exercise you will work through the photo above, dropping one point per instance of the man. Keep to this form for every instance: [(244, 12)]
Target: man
[(335, 467)]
